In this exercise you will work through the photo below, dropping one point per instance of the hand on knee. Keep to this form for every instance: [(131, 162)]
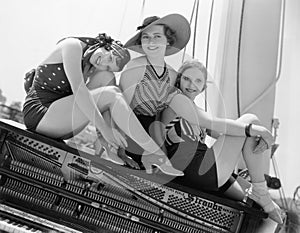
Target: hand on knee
[(249, 118)]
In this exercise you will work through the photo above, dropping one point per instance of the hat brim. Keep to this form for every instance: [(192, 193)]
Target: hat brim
[(177, 23)]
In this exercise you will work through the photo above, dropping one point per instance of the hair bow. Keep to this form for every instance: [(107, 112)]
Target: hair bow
[(107, 42)]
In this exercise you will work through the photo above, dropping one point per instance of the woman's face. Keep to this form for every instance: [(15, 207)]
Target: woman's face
[(105, 60), (154, 41), (192, 82)]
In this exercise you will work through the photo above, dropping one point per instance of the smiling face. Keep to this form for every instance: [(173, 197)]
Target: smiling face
[(192, 82), (104, 60), (154, 41)]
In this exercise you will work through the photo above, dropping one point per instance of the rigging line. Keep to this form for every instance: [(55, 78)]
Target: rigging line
[(238, 61), (191, 19), (195, 29), (281, 190), (123, 17), (207, 48), (209, 32), (271, 85), (282, 17), (142, 10), (275, 166)]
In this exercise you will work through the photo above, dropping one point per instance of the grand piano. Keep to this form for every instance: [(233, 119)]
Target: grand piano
[(47, 186)]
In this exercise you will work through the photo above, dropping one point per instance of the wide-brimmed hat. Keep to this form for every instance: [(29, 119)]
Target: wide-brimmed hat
[(176, 22)]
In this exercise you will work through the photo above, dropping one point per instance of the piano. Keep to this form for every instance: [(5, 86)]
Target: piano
[(47, 186)]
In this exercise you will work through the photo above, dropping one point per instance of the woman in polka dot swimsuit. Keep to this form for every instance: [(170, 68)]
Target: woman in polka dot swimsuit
[(74, 86)]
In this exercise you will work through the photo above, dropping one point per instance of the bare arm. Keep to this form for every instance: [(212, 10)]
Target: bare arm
[(71, 51), (185, 108), (101, 79)]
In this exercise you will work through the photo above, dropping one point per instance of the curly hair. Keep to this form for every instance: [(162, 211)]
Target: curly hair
[(169, 33), (193, 63)]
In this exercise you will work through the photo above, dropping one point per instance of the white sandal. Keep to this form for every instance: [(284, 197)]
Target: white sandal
[(258, 192)]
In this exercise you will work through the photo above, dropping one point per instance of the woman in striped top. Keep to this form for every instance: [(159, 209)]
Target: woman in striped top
[(211, 169), (148, 81)]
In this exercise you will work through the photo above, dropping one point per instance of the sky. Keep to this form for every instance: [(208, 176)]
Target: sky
[(29, 29)]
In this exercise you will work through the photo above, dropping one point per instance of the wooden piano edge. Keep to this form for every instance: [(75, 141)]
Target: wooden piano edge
[(250, 208)]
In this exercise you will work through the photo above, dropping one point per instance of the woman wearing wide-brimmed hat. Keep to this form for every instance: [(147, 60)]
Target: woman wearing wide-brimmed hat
[(148, 82)]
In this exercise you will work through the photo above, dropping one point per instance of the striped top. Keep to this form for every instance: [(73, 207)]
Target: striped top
[(180, 127), (153, 93)]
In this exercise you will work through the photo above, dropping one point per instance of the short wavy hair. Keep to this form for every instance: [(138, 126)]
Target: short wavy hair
[(193, 63), (169, 33)]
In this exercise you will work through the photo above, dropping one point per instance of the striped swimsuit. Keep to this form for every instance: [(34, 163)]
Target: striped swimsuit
[(152, 95), (189, 153), (180, 126)]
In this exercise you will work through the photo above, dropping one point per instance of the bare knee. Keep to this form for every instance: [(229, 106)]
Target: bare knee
[(106, 97), (114, 93), (249, 118), (113, 89), (101, 79)]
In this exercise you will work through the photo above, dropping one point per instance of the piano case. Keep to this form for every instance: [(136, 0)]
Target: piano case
[(50, 187)]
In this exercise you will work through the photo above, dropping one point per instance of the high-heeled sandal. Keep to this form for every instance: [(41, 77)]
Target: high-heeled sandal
[(161, 162), (105, 151), (263, 198)]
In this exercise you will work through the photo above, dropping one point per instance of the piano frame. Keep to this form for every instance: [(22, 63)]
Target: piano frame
[(171, 207)]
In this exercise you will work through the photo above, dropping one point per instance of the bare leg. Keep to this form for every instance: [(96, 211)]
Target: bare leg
[(257, 164), (227, 150), (127, 121), (101, 79), (64, 117)]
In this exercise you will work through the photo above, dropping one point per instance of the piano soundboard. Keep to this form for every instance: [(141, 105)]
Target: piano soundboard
[(47, 186)]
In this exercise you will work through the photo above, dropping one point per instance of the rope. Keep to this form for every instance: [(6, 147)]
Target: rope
[(209, 31), (196, 8), (195, 29), (191, 19), (123, 18), (238, 60), (296, 198), (142, 10), (207, 49)]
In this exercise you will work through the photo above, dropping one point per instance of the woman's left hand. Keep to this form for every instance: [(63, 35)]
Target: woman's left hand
[(261, 145), (264, 139)]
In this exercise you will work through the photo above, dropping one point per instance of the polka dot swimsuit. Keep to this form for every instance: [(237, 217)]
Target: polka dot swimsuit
[(52, 78), (50, 84)]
